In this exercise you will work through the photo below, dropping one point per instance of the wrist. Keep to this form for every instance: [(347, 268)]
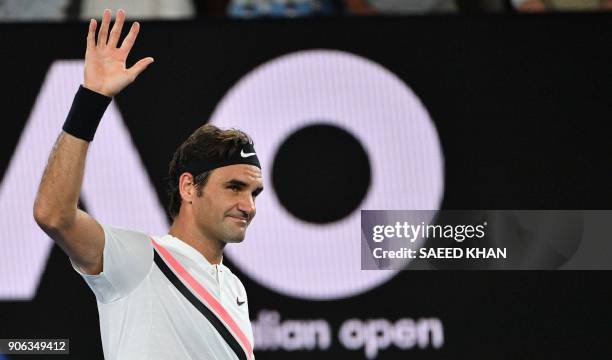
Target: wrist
[(87, 110), (99, 91)]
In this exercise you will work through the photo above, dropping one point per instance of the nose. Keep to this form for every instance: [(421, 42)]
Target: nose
[(246, 205)]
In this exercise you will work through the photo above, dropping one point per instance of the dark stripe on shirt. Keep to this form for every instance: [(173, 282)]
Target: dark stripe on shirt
[(203, 309)]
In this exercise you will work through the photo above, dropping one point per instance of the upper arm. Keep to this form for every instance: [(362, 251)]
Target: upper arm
[(55, 207), (82, 239)]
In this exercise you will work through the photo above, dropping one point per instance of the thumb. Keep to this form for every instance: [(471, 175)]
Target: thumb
[(140, 66)]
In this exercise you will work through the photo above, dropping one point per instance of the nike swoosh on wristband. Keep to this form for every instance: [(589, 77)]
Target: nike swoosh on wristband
[(246, 155)]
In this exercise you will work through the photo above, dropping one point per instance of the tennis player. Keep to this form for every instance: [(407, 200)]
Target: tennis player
[(159, 297)]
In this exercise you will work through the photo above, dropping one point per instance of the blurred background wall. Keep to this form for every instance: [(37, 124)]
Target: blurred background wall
[(473, 107)]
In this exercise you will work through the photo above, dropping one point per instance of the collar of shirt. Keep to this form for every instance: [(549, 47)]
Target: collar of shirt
[(178, 245)]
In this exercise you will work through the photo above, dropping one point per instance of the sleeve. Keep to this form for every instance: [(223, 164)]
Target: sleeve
[(127, 260)]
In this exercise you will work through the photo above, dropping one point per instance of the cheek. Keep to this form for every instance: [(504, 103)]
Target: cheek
[(203, 208), (214, 210)]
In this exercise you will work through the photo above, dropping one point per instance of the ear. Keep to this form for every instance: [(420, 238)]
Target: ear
[(187, 187)]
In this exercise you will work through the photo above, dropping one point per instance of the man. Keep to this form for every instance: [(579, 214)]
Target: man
[(167, 297)]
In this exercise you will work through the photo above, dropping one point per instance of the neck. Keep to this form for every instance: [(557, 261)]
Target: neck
[(189, 233)]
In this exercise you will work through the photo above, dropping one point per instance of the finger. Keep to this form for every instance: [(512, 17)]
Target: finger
[(116, 31), (103, 34), (91, 35), (129, 40), (140, 66)]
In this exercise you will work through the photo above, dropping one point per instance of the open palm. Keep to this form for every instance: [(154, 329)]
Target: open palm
[(105, 63)]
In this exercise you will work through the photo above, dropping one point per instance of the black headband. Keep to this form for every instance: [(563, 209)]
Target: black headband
[(246, 155)]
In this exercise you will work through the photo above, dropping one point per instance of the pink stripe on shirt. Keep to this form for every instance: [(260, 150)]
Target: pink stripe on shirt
[(209, 300)]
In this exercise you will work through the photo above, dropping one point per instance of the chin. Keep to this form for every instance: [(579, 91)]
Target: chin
[(235, 238), (234, 233)]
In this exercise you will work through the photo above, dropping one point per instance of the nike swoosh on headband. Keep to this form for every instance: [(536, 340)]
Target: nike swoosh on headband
[(246, 155)]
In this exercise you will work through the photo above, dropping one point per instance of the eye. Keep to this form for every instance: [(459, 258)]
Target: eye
[(233, 188)]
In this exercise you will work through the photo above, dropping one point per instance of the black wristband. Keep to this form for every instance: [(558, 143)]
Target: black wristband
[(85, 114)]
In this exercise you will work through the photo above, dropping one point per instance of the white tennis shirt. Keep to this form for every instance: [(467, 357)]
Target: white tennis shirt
[(159, 298)]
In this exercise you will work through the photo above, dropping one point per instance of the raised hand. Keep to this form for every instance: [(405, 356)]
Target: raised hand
[(105, 68)]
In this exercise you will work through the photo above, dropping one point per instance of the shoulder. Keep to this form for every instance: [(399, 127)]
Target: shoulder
[(125, 234), (127, 238), (124, 245), (127, 260)]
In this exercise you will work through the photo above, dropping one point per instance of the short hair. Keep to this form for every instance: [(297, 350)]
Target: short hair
[(206, 143)]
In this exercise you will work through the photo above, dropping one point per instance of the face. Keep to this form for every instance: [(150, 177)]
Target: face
[(226, 205)]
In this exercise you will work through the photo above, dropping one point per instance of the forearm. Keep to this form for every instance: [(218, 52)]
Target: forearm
[(58, 193)]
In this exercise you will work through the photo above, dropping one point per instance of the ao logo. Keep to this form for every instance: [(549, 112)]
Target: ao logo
[(288, 255), (281, 97)]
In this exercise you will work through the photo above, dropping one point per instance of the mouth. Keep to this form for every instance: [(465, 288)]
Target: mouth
[(239, 220)]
